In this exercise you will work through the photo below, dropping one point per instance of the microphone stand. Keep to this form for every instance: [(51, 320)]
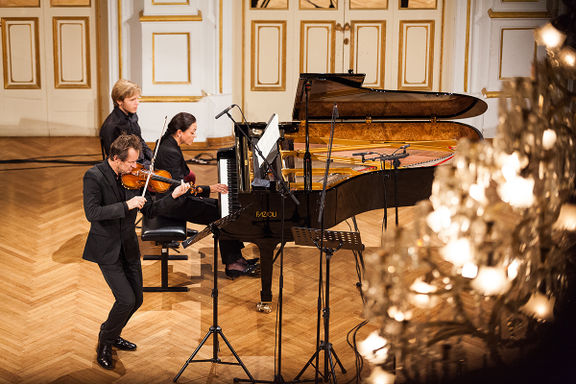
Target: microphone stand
[(284, 191), (324, 345)]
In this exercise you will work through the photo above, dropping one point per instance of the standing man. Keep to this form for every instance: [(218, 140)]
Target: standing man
[(112, 241), (123, 118)]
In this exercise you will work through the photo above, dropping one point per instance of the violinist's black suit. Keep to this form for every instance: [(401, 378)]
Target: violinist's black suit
[(113, 244)]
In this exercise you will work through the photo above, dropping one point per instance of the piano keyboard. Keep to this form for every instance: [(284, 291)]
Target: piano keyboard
[(228, 175)]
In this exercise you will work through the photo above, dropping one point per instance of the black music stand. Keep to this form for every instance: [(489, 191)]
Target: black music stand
[(329, 242), (215, 329)]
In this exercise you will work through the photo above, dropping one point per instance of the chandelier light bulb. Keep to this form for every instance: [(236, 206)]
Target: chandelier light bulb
[(568, 56), (374, 348), (548, 36), (549, 139), (469, 270), (539, 306), (512, 269), (458, 252), (567, 218), (518, 192), (491, 281), (380, 376)]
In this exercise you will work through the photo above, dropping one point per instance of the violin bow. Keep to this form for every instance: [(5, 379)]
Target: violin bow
[(151, 170)]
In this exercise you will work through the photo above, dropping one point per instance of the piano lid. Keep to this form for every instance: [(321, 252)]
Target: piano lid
[(355, 102)]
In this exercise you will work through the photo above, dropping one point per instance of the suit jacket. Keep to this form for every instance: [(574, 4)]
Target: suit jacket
[(112, 225), (117, 123)]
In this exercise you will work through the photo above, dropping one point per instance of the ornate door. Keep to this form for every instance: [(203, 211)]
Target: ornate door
[(49, 85), (396, 43)]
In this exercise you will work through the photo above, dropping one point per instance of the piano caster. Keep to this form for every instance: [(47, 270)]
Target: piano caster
[(264, 306)]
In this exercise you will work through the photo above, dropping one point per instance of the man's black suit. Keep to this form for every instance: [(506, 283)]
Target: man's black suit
[(113, 244), (118, 123)]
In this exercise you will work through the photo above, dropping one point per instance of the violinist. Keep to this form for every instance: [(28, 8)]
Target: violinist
[(200, 209), (123, 118), (112, 241)]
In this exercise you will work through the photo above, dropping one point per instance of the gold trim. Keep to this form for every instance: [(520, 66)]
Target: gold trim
[(20, 6), (429, 48), (57, 48), (494, 94), (281, 25), (381, 47), (315, 9), (414, 9), (34, 39), (518, 15), (440, 74), (270, 9), (220, 42), (368, 9), (52, 5), (168, 18), (154, 34), (330, 26), (502, 48), (186, 2), (467, 47), (170, 99), (119, 11)]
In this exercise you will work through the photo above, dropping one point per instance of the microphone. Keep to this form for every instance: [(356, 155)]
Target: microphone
[(335, 113), (363, 153), (225, 111), (404, 146)]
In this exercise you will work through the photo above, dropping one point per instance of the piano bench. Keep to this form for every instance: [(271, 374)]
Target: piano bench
[(164, 231)]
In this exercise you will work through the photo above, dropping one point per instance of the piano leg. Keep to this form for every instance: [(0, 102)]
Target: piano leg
[(266, 248)]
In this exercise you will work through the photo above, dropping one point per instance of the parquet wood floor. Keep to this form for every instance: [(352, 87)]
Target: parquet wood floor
[(52, 302)]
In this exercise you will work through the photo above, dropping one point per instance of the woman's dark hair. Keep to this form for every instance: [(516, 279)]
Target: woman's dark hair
[(181, 121)]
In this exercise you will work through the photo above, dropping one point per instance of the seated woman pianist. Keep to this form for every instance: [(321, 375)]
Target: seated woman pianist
[(199, 209)]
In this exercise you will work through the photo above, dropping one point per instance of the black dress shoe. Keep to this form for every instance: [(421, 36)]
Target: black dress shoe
[(104, 356), (124, 345), (249, 270), (253, 261)]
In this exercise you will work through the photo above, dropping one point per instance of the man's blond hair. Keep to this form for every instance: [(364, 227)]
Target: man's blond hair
[(124, 89)]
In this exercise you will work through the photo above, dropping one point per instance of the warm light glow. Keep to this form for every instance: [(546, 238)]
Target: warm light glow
[(421, 298), (510, 165), (477, 192), (568, 56), (469, 270), (491, 281), (458, 252), (518, 192), (512, 269), (374, 348), (539, 306), (420, 286), (549, 36), (549, 139), (567, 218), (439, 219), (398, 315), (380, 376)]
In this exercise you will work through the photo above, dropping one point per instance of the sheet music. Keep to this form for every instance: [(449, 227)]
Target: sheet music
[(267, 142)]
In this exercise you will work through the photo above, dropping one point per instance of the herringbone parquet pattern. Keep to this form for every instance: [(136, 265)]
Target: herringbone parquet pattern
[(52, 302)]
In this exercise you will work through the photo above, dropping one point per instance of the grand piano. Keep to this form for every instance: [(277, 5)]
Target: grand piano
[(370, 121)]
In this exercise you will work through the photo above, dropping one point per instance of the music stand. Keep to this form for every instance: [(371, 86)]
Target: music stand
[(215, 329), (328, 242)]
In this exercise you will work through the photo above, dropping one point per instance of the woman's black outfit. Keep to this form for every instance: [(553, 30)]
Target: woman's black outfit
[(199, 209)]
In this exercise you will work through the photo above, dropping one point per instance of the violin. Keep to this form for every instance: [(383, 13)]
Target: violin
[(160, 180)]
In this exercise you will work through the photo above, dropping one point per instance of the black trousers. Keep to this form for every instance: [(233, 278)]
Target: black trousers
[(204, 210), (125, 280)]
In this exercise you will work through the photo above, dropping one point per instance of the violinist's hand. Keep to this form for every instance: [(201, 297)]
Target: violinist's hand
[(136, 202), (180, 190), (220, 188)]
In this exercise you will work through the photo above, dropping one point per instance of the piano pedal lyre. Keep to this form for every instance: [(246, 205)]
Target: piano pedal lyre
[(264, 306)]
